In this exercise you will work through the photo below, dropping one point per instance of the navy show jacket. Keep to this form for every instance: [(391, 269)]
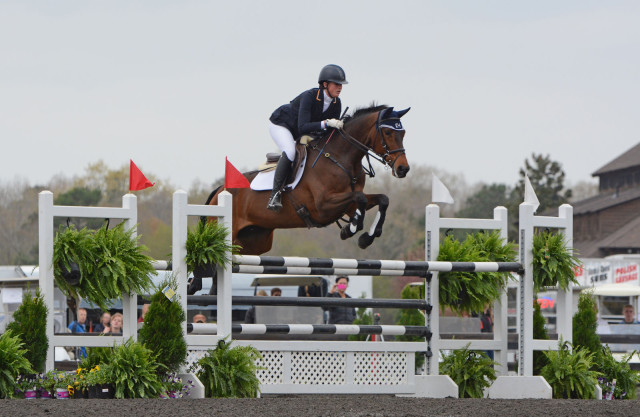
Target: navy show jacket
[(304, 113)]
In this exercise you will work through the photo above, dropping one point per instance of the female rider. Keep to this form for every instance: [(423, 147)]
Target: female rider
[(313, 110)]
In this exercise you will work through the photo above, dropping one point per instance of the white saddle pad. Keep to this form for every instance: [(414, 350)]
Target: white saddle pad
[(264, 180)]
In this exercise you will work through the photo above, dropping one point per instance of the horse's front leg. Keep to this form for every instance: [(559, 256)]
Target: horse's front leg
[(356, 221), (382, 201)]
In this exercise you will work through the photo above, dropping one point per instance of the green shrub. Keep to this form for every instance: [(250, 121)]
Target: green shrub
[(207, 245), (569, 372), (539, 332), (98, 355), (29, 325), (585, 323), (135, 371), (553, 262), (409, 317), (229, 372), (13, 362), (471, 291), (471, 370), (627, 379), (162, 330), (364, 316)]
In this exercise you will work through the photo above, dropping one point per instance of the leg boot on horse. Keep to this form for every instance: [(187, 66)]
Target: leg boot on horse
[(280, 177)]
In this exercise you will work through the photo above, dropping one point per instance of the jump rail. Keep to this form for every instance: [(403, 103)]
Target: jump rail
[(339, 329), (205, 300), (293, 265)]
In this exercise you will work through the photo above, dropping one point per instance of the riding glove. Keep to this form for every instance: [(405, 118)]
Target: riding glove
[(335, 123)]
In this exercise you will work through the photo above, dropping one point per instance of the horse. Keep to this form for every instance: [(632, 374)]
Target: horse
[(331, 185)]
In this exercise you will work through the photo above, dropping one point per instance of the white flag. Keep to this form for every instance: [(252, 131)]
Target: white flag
[(440, 193), (530, 196)]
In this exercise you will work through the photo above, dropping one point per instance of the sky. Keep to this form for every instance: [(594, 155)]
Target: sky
[(177, 86)]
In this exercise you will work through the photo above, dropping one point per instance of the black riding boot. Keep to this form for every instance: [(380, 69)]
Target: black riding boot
[(281, 174)]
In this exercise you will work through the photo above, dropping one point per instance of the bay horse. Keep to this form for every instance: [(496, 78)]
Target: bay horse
[(331, 185)]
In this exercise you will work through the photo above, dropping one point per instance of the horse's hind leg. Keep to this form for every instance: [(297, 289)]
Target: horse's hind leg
[(357, 220), (382, 201)]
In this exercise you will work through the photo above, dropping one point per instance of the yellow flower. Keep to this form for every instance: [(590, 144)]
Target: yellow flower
[(97, 367)]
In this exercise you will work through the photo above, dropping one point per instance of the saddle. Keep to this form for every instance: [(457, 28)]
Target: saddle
[(301, 154)]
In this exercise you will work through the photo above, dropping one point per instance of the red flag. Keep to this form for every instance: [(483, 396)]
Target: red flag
[(137, 180), (234, 178)]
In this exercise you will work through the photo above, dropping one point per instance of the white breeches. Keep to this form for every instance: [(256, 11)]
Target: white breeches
[(284, 139)]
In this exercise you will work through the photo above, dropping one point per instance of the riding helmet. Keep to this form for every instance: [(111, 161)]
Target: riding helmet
[(333, 73)]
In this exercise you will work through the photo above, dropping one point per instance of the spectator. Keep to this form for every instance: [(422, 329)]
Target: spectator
[(629, 314), (486, 326), (116, 324), (145, 308), (105, 319), (79, 326), (340, 315), (250, 317), (199, 318), (276, 292)]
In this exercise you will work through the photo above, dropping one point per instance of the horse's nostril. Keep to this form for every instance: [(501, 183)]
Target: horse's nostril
[(402, 171)]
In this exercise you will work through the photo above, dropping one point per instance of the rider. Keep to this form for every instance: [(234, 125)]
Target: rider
[(313, 110)]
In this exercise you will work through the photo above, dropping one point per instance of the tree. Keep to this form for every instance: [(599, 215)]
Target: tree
[(480, 205), (547, 179), (585, 323)]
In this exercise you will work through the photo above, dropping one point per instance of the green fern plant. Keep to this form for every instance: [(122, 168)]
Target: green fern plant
[(135, 371), (472, 370), (627, 379), (110, 262), (207, 245), (229, 371), (13, 362), (162, 330), (471, 291), (29, 325), (569, 372), (99, 355), (553, 262)]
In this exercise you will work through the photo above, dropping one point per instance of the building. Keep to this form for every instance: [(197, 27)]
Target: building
[(609, 223)]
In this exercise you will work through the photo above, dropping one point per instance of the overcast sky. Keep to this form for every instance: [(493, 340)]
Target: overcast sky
[(178, 85)]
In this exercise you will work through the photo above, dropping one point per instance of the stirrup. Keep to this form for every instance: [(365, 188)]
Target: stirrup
[(275, 202)]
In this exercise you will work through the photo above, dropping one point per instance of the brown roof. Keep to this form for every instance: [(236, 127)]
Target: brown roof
[(628, 236), (604, 201), (630, 158)]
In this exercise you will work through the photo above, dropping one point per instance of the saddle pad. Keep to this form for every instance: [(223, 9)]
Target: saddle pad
[(264, 180)]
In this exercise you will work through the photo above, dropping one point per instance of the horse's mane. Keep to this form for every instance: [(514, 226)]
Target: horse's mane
[(363, 111)]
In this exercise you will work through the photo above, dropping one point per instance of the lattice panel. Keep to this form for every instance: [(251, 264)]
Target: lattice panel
[(318, 368), (380, 368), (192, 357), (273, 364)]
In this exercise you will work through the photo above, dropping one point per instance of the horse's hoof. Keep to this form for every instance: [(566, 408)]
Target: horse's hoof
[(345, 233), (365, 240)]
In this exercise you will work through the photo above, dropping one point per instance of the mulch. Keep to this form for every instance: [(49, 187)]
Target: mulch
[(319, 405)]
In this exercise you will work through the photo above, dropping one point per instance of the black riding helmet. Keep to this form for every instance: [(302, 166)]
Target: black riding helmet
[(333, 73)]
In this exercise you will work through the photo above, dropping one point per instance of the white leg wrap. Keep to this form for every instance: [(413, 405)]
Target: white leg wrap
[(374, 224)]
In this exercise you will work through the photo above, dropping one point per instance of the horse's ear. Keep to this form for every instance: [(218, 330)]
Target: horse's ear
[(403, 112), (386, 112)]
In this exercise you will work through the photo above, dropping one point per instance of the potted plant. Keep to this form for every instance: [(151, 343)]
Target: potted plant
[(135, 371), (569, 372), (27, 386), (618, 370), (99, 382), (472, 371), (110, 262), (470, 292), (553, 262), (12, 363), (229, 372), (162, 330), (207, 247), (175, 387), (29, 325), (62, 383)]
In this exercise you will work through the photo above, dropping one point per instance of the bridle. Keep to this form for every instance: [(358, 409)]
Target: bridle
[(370, 151)]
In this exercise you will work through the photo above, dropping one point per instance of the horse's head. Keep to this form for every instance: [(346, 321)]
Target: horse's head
[(391, 133)]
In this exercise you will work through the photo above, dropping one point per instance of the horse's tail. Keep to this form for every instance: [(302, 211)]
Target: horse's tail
[(213, 193)]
